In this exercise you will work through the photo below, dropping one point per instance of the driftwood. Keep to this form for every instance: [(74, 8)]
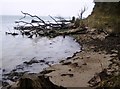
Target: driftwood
[(33, 16), (43, 28)]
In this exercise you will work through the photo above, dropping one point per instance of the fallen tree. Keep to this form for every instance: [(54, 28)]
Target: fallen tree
[(47, 28)]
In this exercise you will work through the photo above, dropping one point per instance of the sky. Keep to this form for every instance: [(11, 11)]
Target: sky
[(46, 7)]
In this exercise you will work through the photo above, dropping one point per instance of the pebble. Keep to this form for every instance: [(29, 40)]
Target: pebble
[(87, 56)]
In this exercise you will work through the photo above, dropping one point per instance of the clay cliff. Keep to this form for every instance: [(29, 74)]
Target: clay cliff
[(105, 15)]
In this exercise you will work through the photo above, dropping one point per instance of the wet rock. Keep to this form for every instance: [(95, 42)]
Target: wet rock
[(114, 51), (95, 80), (62, 61), (10, 33), (14, 34), (46, 71), (69, 70), (5, 83), (113, 55), (75, 65), (84, 64), (81, 57), (42, 61), (19, 67), (76, 58), (70, 75), (3, 70), (69, 58), (47, 63), (13, 76), (87, 56), (66, 63), (50, 43), (31, 62), (27, 33)]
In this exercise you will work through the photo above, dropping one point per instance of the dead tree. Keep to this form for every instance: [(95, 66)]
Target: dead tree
[(42, 28), (33, 16), (53, 19), (81, 12), (24, 22)]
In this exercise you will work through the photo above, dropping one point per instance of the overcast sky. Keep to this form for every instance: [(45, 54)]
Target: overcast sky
[(46, 7)]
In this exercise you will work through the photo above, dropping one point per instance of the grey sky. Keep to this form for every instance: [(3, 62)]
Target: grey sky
[(46, 7), (106, 0)]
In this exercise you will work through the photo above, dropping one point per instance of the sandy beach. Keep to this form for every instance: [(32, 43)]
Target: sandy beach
[(78, 70)]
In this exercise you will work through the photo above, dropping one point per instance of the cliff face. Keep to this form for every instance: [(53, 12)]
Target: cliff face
[(105, 15)]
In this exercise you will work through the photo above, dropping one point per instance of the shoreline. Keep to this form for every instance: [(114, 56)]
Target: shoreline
[(78, 70)]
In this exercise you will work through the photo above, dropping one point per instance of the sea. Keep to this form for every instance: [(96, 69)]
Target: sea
[(15, 50)]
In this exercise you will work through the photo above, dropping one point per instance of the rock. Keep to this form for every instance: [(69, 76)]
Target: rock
[(70, 75), (46, 71), (69, 70), (5, 84), (35, 81), (69, 58), (66, 63), (75, 64), (95, 80), (114, 51), (14, 34), (114, 54), (42, 61), (13, 76), (81, 57), (27, 33), (76, 58), (84, 64), (31, 62), (47, 63), (92, 47), (3, 70), (87, 56), (62, 61)]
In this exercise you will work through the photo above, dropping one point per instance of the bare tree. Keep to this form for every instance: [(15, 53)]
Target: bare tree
[(32, 16), (81, 12)]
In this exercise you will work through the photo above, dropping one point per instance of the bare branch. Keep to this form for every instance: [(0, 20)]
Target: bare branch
[(33, 16), (24, 22), (22, 17), (81, 12), (53, 19)]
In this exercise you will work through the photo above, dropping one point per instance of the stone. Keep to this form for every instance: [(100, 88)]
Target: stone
[(70, 75), (66, 63), (34, 81), (87, 56)]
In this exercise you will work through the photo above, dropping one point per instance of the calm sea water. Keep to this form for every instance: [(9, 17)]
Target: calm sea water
[(18, 49)]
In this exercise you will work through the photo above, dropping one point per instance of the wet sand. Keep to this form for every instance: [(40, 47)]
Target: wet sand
[(77, 71), (80, 70)]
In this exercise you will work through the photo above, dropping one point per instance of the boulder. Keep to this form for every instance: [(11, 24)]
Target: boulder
[(35, 81)]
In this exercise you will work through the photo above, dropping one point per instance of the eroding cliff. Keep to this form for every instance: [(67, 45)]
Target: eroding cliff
[(105, 15)]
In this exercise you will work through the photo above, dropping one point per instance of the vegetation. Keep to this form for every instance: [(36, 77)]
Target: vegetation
[(105, 16)]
